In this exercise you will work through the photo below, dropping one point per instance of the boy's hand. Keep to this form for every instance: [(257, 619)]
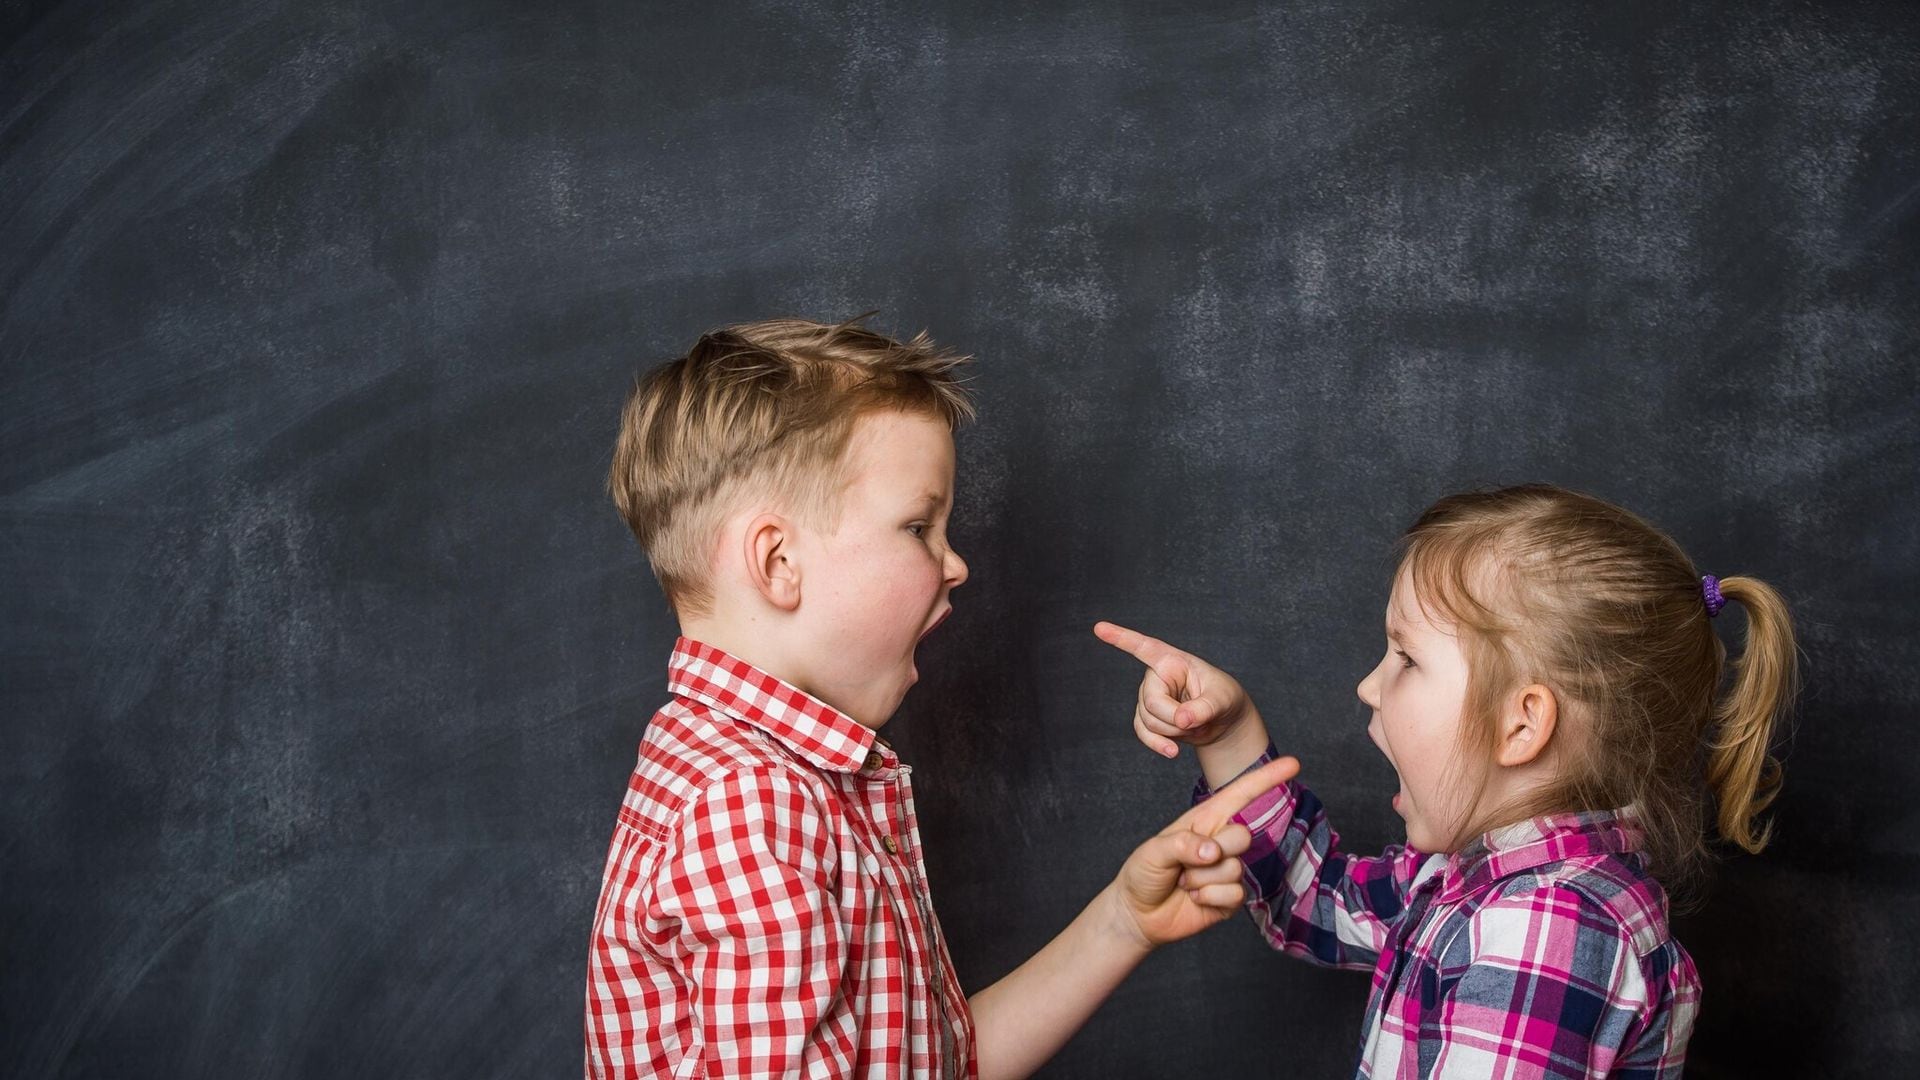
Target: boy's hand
[(1182, 697), (1187, 878)]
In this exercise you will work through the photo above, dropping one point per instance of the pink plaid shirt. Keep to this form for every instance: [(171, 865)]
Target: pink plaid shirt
[(764, 911), (1540, 950)]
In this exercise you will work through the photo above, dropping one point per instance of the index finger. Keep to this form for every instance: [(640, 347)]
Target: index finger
[(1148, 650), (1214, 814)]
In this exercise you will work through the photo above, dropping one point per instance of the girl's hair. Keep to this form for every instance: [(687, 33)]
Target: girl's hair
[(1550, 586)]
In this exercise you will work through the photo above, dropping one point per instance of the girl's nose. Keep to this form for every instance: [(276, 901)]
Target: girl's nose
[(1369, 689)]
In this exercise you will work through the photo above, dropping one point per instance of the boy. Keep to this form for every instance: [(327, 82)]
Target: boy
[(764, 910)]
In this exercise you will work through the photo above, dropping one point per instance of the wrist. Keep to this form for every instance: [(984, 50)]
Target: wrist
[(1233, 754), (1120, 926)]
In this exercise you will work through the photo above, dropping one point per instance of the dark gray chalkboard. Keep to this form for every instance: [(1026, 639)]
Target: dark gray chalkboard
[(325, 657)]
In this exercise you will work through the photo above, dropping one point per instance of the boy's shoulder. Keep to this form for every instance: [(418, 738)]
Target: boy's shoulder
[(691, 749)]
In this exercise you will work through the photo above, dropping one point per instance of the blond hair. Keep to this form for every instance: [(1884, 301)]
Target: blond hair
[(765, 407), (1551, 586)]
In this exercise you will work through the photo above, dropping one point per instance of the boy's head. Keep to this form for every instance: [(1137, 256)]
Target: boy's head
[(767, 468)]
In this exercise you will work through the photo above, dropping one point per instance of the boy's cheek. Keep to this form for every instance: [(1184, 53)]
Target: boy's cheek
[(875, 631), (906, 596)]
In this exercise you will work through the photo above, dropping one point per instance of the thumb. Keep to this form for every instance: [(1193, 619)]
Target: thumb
[(1162, 859), (1195, 712)]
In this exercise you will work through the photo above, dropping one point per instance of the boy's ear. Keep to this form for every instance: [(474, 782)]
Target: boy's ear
[(1526, 725), (773, 564)]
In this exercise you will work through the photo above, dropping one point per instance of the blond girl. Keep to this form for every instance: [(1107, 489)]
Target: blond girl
[(1554, 703)]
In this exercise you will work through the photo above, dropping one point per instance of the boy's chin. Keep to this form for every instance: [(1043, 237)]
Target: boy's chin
[(877, 715)]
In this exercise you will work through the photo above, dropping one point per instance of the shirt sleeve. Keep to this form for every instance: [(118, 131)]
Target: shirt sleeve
[(749, 885), (1553, 988), (1309, 898)]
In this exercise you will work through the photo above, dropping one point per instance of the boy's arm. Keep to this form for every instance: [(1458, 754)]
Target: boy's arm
[(1173, 886), (748, 888)]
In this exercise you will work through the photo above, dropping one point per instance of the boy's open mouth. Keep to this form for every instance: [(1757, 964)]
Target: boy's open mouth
[(936, 623)]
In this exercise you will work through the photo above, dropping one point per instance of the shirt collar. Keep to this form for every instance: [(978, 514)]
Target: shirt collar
[(1525, 845), (819, 733)]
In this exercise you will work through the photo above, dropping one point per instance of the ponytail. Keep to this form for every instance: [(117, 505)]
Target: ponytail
[(1743, 776)]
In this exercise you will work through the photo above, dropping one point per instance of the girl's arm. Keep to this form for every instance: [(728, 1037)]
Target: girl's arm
[(1309, 898)]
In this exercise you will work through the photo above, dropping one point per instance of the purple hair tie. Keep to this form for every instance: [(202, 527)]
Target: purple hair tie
[(1710, 588)]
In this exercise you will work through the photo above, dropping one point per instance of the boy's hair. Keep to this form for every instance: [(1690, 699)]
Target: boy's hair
[(763, 407), (1551, 586)]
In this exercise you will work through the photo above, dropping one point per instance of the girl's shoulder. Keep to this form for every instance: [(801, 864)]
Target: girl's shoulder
[(1590, 931), (1590, 905), (1569, 952), (1584, 868)]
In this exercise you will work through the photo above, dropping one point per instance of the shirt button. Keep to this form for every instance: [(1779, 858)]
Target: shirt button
[(873, 760), (892, 847)]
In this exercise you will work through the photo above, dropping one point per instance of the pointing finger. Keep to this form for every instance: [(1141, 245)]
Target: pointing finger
[(1210, 816), (1165, 660)]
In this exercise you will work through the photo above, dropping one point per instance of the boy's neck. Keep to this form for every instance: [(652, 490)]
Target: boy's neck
[(752, 640), (746, 640)]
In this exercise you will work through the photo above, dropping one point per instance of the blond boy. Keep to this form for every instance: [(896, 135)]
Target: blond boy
[(764, 909)]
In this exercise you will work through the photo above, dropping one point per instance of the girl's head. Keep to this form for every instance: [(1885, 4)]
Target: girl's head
[(1551, 652)]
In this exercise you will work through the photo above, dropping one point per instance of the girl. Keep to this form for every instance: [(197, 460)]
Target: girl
[(1551, 700)]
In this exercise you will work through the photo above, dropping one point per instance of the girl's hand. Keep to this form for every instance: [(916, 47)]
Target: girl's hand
[(1183, 699), (1187, 878)]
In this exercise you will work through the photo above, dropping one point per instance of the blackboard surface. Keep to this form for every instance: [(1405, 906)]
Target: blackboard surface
[(325, 658)]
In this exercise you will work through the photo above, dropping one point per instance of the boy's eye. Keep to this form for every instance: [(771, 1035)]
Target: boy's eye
[(1405, 660), (918, 528)]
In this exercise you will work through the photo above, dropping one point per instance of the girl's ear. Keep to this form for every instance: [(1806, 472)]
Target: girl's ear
[(772, 558), (1526, 725)]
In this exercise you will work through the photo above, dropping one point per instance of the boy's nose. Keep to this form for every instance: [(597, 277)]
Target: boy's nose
[(956, 569)]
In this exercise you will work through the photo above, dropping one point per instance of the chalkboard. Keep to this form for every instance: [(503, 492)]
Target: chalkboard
[(325, 656)]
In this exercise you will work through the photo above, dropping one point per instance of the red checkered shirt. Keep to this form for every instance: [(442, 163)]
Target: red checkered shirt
[(764, 911)]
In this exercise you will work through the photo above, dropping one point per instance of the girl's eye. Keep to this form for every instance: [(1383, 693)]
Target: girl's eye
[(1405, 660)]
